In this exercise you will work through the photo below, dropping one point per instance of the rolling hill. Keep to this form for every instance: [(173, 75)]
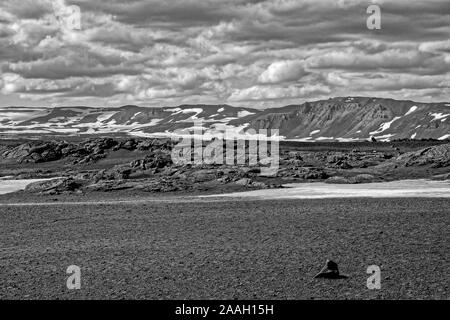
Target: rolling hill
[(335, 119)]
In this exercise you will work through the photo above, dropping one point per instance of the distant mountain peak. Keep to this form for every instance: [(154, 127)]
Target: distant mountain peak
[(336, 118)]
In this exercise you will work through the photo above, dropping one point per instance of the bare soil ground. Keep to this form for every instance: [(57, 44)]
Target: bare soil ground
[(223, 249)]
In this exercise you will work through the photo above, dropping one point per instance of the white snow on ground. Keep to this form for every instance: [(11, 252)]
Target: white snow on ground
[(347, 139), (135, 115), (102, 123), (438, 116), (71, 121), (324, 138), (411, 110), (414, 135), (152, 123), (57, 119), (359, 131), (31, 126), (34, 131), (385, 137), (320, 190), (142, 134), (314, 132), (17, 117), (63, 130), (7, 186), (308, 139), (444, 137), (213, 120), (105, 116), (311, 139), (221, 110), (216, 131), (115, 128), (385, 126), (61, 121), (174, 110), (418, 126), (244, 113), (24, 109), (197, 111)]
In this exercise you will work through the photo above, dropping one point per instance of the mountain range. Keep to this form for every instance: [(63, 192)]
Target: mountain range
[(334, 119)]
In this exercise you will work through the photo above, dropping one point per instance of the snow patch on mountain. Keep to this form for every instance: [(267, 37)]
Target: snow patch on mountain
[(244, 113), (173, 110), (105, 116), (348, 139), (411, 110), (324, 138), (135, 115), (385, 126), (16, 117), (438, 116), (385, 138), (197, 111)]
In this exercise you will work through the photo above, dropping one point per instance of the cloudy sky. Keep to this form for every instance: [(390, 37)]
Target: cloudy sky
[(255, 53)]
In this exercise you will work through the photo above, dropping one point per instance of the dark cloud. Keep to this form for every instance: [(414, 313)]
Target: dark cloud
[(26, 9), (252, 53)]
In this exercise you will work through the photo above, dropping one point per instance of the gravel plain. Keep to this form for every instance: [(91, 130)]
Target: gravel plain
[(224, 249)]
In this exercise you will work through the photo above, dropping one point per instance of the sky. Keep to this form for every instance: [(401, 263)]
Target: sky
[(256, 53)]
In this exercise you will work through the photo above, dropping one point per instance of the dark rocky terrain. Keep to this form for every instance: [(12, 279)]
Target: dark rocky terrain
[(107, 164)]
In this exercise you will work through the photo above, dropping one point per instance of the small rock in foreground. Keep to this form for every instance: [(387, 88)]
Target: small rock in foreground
[(330, 271)]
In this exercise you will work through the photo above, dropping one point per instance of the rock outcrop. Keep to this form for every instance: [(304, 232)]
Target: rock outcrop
[(55, 186), (435, 156), (86, 151), (152, 169)]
